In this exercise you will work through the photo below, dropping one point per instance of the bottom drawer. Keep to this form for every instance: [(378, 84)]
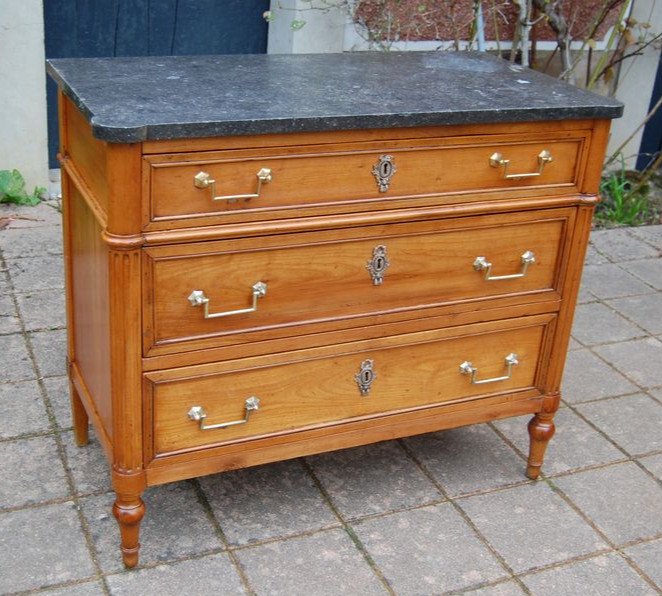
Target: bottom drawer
[(191, 408)]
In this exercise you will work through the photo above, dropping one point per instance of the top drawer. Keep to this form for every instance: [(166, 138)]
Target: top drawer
[(269, 183)]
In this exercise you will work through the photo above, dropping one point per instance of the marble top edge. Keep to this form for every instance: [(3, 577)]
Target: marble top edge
[(159, 98)]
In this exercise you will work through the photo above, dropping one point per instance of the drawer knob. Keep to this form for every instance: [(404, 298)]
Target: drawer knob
[(198, 414), (198, 298), (497, 161), (482, 264), (204, 180), (378, 264), (466, 368)]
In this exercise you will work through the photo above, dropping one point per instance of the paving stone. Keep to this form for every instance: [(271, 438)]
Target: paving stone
[(649, 270), (265, 502), (468, 459), (645, 311), (57, 390), (593, 257), (650, 234), (428, 551), (610, 281), (584, 296), (18, 365), (606, 574), (574, 345), (622, 500), (531, 526), (88, 464), (42, 309), (86, 589), (50, 352), (586, 377), (619, 245), (9, 321), (653, 463), (175, 526), (213, 574), (648, 556), (509, 588), (373, 479), (574, 445), (31, 472), (633, 421), (597, 324), (38, 216), (639, 360), (33, 242), (36, 273), (5, 287), (42, 546), (23, 410), (327, 563)]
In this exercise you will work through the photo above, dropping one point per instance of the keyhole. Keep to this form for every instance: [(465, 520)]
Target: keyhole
[(386, 169)]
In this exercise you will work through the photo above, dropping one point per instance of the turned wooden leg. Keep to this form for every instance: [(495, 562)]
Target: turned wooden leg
[(129, 511), (541, 430), (79, 416)]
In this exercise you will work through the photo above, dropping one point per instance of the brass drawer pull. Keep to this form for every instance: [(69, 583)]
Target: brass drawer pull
[(204, 180), (198, 298), (482, 264), (198, 414), (497, 161), (466, 368)]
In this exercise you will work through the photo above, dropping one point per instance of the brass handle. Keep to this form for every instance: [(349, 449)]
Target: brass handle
[(497, 161), (198, 298), (198, 414), (482, 264), (466, 368), (204, 180)]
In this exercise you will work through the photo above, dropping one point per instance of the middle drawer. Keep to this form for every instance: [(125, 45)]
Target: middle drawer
[(228, 292)]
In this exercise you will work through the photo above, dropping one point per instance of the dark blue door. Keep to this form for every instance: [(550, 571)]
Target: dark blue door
[(93, 28), (651, 141)]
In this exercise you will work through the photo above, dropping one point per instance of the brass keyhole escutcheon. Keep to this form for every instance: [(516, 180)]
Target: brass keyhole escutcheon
[(378, 265), (383, 171), (365, 377)]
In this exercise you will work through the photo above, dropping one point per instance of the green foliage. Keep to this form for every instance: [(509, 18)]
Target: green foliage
[(623, 203), (297, 24), (12, 189)]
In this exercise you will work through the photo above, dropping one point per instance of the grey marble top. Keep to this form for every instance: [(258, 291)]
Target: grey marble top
[(137, 99)]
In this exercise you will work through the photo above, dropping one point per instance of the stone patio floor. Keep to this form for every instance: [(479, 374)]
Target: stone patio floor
[(441, 513)]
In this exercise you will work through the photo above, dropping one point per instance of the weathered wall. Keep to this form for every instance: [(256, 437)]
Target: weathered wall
[(322, 33), (23, 137), (635, 86)]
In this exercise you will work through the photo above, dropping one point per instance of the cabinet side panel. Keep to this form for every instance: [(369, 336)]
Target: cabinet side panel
[(89, 268), (88, 153)]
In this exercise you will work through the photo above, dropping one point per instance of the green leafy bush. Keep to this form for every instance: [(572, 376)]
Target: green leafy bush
[(12, 189), (624, 202)]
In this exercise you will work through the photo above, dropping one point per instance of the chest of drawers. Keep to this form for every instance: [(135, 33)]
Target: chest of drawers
[(262, 265)]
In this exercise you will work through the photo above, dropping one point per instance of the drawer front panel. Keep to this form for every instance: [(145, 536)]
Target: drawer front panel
[(190, 185), (392, 375), (381, 270)]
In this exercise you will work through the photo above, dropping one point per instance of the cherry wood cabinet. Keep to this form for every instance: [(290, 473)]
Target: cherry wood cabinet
[(240, 299)]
